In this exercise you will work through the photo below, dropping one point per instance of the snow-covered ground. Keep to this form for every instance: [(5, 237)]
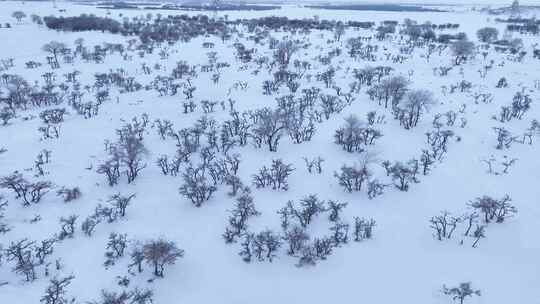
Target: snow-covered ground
[(403, 263)]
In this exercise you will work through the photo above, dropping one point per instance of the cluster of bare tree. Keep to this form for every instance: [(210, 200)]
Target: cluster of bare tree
[(134, 296), (295, 220), (116, 209), (355, 136), (28, 256), (521, 103), (238, 220), (485, 210), (276, 176), (126, 154), (28, 192), (296, 115)]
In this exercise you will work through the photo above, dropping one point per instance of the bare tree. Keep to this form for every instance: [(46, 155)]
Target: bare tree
[(6, 115), (23, 189), (340, 233), (478, 233), (461, 49), (196, 187), (135, 296), (67, 227), (265, 244), (297, 238), (268, 128), (310, 206), (54, 48), (244, 209), (494, 209), (69, 194), (415, 104), (487, 34), (444, 225), (335, 208), (115, 248), (352, 178), (111, 169), (284, 52), (354, 136), (159, 253), (22, 253), (19, 15), (120, 202), (363, 229), (56, 291), (131, 151), (137, 257), (276, 176), (390, 91)]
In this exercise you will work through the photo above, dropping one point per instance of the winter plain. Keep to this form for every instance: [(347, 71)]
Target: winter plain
[(269, 153)]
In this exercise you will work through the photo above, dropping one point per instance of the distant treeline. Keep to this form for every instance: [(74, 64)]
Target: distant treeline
[(285, 23), (110, 3), (532, 28), (522, 25), (221, 7), (83, 23), (519, 20), (174, 28), (118, 6), (184, 27), (376, 7), (186, 6)]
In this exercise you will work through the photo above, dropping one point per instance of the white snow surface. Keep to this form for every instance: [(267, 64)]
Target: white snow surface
[(403, 263)]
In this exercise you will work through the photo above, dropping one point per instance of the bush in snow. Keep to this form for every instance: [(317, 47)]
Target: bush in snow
[(243, 210), (340, 233), (494, 209), (310, 206), (276, 176), (135, 296), (504, 138), (116, 245), (363, 229), (196, 187), (461, 292), (67, 227), (6, 115), (268, 128), (296, 238), (263, 246), (314, 165), (444, 225), (120, 203), (354, 137), (352, 178), (402, 174), (69, 194)]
